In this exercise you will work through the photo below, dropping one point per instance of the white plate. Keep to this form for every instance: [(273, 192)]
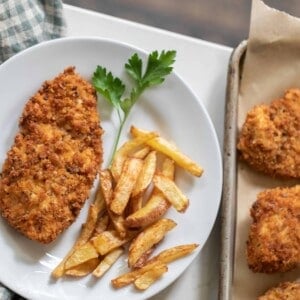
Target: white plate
[(171, 108)]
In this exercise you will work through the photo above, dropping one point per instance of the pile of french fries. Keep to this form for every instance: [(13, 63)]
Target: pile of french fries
[(128, 212)]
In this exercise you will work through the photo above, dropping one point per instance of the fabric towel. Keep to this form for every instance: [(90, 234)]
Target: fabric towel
[(24, 23)]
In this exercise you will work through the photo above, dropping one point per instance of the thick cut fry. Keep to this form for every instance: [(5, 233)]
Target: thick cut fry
[(107, 262), (101, 225), (163, 257), (95, 209), (109, 240), (81, 255), (154, 209), (130, 277), (84, 268), (125, 150), (171, 192), (156, 206), (125, 185), (144, 258), (170, 150), (168, 168), (148, 278), (141, 153), (134, 204), (174, 253), (107, 190), (148, 238), (146, 174), (106, 185)]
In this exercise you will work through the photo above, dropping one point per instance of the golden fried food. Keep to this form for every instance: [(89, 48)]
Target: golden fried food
[(54, 160), (285, 290), (270, 137), (274, 238)]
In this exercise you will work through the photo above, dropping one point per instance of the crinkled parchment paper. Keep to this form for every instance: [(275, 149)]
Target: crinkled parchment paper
[(272, 65)]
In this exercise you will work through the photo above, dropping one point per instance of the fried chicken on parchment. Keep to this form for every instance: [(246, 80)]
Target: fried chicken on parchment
[(54, 160), (270, 137), (284, 291), (274, 239)]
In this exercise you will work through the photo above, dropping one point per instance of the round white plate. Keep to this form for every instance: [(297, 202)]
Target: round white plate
[(172, 109)]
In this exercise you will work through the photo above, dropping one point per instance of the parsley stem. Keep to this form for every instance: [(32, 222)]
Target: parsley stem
[(117, 138)]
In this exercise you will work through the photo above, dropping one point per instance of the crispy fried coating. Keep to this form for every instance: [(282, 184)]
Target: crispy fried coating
[(284, 291), (274, 239), (54, 160), (270, 137)]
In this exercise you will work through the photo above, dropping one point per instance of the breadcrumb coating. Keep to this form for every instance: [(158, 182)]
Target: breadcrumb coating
[(274, 239), (284, 291), (270, 137), (54, 160)]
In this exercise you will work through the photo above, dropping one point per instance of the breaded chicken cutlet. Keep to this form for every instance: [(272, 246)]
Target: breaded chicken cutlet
[(274, 239), (270, 137), (54, 160), (284, 291)]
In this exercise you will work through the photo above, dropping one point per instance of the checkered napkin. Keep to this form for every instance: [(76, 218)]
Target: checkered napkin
[(24, 23)]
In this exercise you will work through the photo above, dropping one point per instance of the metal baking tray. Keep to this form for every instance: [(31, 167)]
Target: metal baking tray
[(228, 206)]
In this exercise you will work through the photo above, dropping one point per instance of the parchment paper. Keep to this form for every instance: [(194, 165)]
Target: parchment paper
[(271, 66)]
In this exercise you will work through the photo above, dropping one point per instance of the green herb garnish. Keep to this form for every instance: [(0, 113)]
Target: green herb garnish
[(112, 88)]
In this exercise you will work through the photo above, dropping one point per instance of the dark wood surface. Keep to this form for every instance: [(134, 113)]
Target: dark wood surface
[(225, 22)]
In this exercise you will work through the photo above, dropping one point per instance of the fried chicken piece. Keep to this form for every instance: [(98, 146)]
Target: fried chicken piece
[(270, 137), (274, 239), (284, 291), (54, 160)]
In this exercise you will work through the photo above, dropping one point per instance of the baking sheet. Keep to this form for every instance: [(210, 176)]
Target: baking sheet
[(272, 65)]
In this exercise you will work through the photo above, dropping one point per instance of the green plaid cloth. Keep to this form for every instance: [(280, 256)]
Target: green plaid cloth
[(24, 23)]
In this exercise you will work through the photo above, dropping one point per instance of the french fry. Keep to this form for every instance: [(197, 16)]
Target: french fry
[(84, 268), (107, 190), (109, 240), (170, 150), (125, 185), (156, 206), (106, 185), (130, 277), (134, 204), (146, 175), (144, 258), (81, 255), (154, 209), (174, 253), (141, 153), (95, 209), (107, 262), (144, 281), (171, 192), (164, 257), (125, 150), (101, 225), (168, 168), (148, 238)]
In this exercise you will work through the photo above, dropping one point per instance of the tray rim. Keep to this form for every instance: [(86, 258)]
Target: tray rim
[(228, 203)]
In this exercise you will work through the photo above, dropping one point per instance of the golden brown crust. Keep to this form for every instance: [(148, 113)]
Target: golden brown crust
[(270, 137), (50, 169), (284, 291), (274, 239)]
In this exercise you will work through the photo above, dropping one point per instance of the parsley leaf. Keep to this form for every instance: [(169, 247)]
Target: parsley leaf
[(159, 65), (111, 88)]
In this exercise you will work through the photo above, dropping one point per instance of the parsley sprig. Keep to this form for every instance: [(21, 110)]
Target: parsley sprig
[(159, 65)]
